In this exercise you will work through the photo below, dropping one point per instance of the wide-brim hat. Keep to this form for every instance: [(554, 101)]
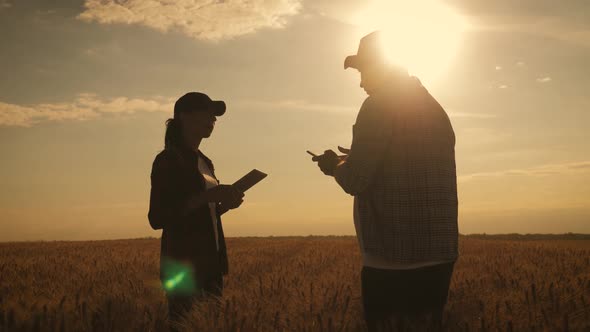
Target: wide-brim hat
[(369, 52)]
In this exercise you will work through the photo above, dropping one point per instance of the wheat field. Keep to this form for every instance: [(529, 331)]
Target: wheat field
[(285, 284)]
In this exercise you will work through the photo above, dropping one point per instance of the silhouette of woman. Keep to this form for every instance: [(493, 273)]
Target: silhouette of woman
[(186, 202)]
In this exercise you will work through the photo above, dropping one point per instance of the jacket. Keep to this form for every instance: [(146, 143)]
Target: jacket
[(187, 240)]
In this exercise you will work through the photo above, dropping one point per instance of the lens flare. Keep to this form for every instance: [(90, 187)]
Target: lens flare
[(171, 284), (178, 277)]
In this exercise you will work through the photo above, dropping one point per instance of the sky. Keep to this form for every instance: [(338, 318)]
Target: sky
[(86, 86)]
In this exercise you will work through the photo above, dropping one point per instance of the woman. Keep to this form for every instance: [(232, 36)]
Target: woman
[(186, 202)]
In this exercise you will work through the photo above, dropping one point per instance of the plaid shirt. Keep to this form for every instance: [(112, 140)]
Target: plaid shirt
[(401, 170)]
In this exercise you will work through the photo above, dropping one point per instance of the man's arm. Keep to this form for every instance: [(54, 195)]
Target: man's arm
[(371, 136)]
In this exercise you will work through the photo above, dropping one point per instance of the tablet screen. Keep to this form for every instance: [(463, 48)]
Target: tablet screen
[(249, 180)]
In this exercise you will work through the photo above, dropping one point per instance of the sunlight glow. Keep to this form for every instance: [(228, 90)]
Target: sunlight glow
[(421, 35)]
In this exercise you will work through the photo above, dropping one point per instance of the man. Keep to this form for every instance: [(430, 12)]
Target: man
[(401, 171)]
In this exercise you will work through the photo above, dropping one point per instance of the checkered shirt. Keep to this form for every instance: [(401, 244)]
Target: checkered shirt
[(401, 169)]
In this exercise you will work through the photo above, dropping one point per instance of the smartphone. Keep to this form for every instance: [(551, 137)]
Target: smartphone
[(312, 154)]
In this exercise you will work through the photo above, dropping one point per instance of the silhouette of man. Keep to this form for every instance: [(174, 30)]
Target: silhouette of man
[(400, 169)]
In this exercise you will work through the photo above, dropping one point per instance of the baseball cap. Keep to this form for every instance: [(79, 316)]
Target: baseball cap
[(198, 102)]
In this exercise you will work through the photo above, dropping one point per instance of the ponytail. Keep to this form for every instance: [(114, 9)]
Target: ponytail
[(173, 136)]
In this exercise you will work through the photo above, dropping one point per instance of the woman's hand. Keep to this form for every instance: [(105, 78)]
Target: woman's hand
[(228, 196)]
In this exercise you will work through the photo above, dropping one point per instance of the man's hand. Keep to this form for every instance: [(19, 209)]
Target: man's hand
[(228, 196), (343, 150), (328, 162)]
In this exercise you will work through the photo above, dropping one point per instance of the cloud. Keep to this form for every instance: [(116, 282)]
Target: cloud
[(453, 114), (89, 106), (459, 113), (554, 28), (503, 86), (5, 4), (84, 107), (298, 105), (543, 170), (549, 26), (546, 18), (498, 67), (341, 10), (544, 79), (199, 19)]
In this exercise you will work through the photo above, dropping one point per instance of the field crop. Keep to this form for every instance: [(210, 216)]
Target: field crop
[(285, 284)]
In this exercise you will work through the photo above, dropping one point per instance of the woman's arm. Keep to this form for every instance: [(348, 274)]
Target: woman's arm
[(165, 205), (221, 209)]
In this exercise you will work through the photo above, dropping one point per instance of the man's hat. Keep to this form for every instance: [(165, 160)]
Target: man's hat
[(370, 51), (198, 102)]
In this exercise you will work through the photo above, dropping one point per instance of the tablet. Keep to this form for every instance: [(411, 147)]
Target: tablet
[(250, 180)]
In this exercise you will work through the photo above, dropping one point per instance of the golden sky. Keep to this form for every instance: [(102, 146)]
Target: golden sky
[(86, 87)]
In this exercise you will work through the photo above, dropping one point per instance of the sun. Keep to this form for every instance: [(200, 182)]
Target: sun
[(421, 35)]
